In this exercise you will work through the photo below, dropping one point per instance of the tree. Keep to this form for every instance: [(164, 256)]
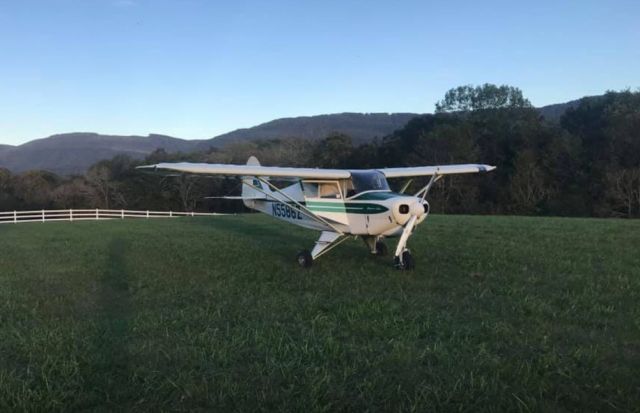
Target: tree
[(190, 191), (7, 198), (488, 96), (100, 178), (75, 193), (623, 188), (33, 189), (333, 151), (528, 185), (608, 130)]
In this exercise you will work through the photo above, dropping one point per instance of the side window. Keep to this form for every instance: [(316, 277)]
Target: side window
[(348, 189), (329, 191), (310, 189)]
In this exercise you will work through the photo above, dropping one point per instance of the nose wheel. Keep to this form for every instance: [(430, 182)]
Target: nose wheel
[(404, 261)]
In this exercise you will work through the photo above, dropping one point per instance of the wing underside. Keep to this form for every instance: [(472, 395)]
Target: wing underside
[(412, 171), (283, 173)]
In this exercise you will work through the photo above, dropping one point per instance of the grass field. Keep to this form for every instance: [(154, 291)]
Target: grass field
[(502, 313)]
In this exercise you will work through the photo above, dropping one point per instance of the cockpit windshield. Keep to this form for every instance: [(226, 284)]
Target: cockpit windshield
[(368, 181)]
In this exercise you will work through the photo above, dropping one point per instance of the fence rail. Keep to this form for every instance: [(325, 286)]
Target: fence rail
[(45, 215)]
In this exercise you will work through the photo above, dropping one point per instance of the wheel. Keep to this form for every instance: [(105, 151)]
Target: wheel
[(304, 259), (407, 261), (381, 249), (407, 258)]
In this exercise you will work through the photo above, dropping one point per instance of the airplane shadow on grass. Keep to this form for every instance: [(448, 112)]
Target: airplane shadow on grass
[(108, 365)]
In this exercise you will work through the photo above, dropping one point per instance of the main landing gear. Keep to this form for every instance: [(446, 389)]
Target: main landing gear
[(376, 245), (381, 249), (305, 260), (329, 240)]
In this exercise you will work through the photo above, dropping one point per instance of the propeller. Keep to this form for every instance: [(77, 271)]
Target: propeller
[(412, 223), (408, 229)]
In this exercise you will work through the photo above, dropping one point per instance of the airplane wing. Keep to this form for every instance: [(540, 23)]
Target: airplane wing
[(412, 171), (284, 173), (246, 170)]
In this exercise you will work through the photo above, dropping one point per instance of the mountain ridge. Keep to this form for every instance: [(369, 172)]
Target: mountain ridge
[(360, 126), (72, 153), (75, 152)]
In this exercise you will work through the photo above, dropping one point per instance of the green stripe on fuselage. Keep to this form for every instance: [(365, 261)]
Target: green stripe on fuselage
[(348, 207)]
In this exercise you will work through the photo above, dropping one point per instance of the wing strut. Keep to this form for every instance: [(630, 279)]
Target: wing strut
[(425, 189), (406, 186)]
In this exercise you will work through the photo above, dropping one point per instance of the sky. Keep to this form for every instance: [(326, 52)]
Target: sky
[(198, 68)]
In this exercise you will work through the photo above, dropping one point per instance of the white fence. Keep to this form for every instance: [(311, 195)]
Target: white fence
[(45, 215)]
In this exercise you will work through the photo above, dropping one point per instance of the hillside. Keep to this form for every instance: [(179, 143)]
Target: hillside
[(501, 312), (360, 126), (554, 112), (75, 152)]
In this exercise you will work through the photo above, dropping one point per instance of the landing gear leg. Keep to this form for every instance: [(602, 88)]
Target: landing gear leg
[(403, 260), (327, 241), (376, 245), (381, 248)]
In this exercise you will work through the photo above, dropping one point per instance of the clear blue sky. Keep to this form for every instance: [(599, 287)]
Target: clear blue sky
[(197, 68)]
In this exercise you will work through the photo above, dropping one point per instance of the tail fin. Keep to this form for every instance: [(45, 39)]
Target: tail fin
[(249, 183)]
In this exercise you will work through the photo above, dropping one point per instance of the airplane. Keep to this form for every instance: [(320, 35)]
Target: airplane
[(341, 203)]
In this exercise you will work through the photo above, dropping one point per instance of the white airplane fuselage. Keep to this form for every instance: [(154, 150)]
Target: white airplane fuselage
[(373, 213)]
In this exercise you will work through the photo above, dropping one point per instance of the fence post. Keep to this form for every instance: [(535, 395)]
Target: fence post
[(70, 215), (122, 214), (97, 214), (170, 213), (15, 217), (191, 213), (43, 215), (147, 213)]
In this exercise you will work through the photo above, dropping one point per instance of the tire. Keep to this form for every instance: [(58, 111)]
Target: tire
[(381, 249), (304, 259), (407, 264)]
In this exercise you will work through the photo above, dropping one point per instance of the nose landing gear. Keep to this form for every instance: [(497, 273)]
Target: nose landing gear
[(404, 261)]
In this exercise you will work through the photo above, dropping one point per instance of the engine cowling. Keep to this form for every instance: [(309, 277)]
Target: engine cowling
[(405, 208)]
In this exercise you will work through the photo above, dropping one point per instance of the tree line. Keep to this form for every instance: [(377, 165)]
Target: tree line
[(587, 164)]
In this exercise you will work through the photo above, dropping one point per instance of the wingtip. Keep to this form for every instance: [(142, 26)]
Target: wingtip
[(487, 168), (146, 167)]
